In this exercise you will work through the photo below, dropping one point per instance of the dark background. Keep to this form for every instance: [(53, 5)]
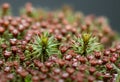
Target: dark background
[(108, 8)]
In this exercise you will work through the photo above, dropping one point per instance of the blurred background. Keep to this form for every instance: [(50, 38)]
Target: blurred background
[(107, 8)]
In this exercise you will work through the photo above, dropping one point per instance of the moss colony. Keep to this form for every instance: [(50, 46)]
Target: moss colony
[(57, 46)]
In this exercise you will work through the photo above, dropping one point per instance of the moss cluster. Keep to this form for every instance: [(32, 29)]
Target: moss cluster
[(57, 46)]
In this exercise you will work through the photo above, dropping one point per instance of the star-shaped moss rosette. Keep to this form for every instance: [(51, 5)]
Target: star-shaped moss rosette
[(86, 44), (44, 46)]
